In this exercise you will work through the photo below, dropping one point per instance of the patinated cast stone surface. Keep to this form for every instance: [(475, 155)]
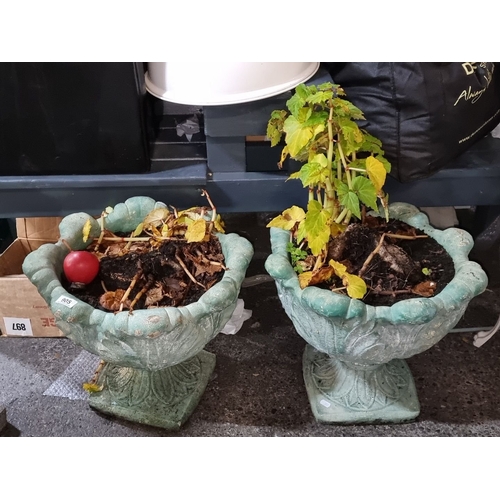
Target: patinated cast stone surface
[(157, 369), (353, 367)]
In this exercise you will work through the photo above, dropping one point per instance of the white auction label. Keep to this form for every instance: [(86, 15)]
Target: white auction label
[(18, 326), (66, 301), (325, 403)]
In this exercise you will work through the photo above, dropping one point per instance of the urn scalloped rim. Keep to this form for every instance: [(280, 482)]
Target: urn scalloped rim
[(158, 340), (363, 337), (147, 329)]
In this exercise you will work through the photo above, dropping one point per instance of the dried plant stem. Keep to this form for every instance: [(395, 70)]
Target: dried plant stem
[(213, 262), (212, 206), (129, 243), (142, 291), (120, 239), (66, 244), (101, 223), (186, 270), (405, 236), (389, 292), (370, 257), (96, 373), (130, 288), (379, 246)]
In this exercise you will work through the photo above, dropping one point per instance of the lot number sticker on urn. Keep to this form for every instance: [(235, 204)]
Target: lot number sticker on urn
[(66, 301), (18, 326)]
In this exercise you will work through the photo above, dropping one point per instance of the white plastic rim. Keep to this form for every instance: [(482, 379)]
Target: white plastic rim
[(214, 84)]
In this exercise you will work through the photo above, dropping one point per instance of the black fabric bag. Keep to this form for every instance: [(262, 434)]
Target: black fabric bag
[(425, 114)]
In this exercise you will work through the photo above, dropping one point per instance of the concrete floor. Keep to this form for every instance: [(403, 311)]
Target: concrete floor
[(257, 387)]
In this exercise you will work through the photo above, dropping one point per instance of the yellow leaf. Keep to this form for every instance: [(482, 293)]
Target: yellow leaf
[(305, 279), (356, 287), (336, 229), (156, 217), (196, 231), (193, 215), (294, 213), (92, 387), (219, 224), (86, 230), (340, 269), (183, 212), (288, 218), (182, 221), (284, 154), (318, 129), (166, 231), (138, 230), (376, 172)]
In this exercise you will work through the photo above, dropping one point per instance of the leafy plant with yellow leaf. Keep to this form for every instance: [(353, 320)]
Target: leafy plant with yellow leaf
[(344, 170)]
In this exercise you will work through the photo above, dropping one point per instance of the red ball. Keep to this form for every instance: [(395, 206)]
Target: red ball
[(81, 266)]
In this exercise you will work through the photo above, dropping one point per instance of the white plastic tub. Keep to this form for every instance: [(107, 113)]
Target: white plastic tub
[(210, 84)]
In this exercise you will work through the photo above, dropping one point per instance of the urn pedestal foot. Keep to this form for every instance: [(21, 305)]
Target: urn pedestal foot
[(164, 398), (341, 393)]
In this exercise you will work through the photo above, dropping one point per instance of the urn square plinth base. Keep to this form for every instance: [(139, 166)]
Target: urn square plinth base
[(341, 393), (164, 398)]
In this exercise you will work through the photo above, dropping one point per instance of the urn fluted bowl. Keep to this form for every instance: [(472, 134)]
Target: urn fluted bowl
[(156, 369), (353, 365)]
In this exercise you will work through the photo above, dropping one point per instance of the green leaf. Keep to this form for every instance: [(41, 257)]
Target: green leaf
[(341, 187), (384, 162), (366, 191), (297, 135), (317, 118), (296, 254), (295, 104), (317, 227), (359, 163), (273, 134), (351, 201), (315, 172), (327, 86), (376, 172), (321, 97), (344, 108), (371, 144), (426, 271), (275, 126), (352, 134), (302, 91), (304, 115)]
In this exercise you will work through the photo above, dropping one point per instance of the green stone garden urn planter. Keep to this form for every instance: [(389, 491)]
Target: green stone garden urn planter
[(156, 369), (353, 366)]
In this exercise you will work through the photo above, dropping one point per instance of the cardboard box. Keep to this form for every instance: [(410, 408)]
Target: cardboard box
[(23, 312)]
